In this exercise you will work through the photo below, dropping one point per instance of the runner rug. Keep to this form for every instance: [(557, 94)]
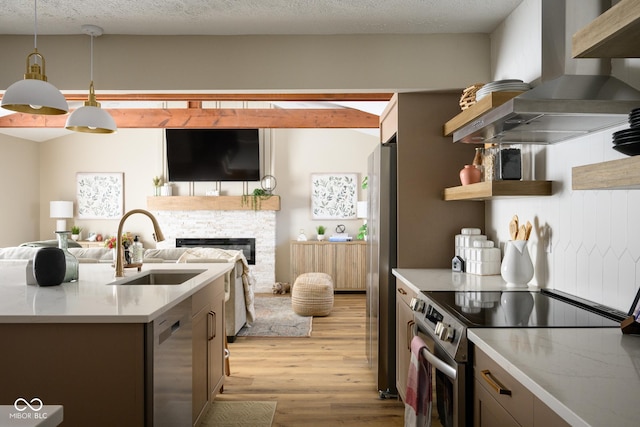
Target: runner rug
[(240, 414)]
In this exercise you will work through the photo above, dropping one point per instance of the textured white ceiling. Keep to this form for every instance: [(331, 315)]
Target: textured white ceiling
[(231, 17)]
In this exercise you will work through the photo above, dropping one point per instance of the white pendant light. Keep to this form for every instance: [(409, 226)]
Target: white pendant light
[(90, 118), (34, 95)]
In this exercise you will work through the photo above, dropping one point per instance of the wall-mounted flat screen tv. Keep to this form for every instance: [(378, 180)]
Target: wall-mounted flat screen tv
[(213, 154)]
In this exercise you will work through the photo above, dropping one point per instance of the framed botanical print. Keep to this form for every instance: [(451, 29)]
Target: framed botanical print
[(100, 195), (334, 196)]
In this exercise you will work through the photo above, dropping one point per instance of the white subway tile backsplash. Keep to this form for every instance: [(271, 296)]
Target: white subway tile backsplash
[(595, 234)]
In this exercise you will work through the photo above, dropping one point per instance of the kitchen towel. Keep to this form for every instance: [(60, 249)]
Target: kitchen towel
[(417, 412)]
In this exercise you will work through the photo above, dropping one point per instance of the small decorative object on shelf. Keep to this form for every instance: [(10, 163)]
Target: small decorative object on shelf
[(362, 232), (477, 162), (468, 97), (301, 236), (470, 175), (166, 189), (75, 232), (489, 163), (157, 183), (321, 230), (268, 183)]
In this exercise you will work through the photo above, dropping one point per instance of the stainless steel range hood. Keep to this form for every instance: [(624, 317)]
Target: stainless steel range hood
[(559, 108)]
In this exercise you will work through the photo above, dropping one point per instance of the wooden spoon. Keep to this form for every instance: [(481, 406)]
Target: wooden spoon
[(528, 230), (513, 227)]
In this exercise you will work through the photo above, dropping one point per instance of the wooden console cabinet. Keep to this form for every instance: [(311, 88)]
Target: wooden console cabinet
[(345, 262)]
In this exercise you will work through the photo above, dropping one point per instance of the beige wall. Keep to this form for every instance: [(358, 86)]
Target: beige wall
[(298, 154), (19, 163), (218, 64), (135, 152), (139, 155), (255, 63)]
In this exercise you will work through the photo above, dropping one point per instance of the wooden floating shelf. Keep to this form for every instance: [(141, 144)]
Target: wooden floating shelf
[(615, 174), (489, 102), (211, 203), (614, 34), (493, 189)]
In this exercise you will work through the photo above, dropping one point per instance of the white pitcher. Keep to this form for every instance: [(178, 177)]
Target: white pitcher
[(516, 268)]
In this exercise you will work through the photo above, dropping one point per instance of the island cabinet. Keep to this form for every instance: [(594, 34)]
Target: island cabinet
[(207, 308), (404, 335), (500, 400), (112, 373), (345, 262)]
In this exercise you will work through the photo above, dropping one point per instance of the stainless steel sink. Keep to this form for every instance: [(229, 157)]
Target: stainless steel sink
[(159, 277)]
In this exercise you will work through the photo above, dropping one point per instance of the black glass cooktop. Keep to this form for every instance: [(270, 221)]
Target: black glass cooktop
[(524, 309)]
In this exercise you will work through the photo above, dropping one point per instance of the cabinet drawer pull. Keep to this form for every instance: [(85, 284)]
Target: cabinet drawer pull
[(494, 383), (213, 318), (402, 291)]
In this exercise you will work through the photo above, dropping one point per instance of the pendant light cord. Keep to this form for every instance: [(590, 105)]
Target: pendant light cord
[(35, 24), (91, 62)]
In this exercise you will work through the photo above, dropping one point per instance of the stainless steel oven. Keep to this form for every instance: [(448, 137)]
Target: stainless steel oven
[(448, 378), (442, 319)]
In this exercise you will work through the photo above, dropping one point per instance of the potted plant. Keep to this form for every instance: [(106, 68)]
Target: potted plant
[(321, 230), (75, 232), (362, 232), (255, 198), (157, 183)]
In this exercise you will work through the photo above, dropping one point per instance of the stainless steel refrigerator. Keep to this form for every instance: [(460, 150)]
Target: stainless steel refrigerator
[(381, 259)]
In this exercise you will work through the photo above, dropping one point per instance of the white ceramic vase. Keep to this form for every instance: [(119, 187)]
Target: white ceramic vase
[(320, 237), (516, 268)]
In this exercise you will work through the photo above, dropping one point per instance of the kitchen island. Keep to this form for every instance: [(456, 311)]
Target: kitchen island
[(98, 346)]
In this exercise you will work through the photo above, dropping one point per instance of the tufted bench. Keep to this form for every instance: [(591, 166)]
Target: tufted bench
[(312, 294)]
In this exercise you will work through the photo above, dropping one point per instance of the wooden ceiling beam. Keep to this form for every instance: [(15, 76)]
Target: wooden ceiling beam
[(212, 118)]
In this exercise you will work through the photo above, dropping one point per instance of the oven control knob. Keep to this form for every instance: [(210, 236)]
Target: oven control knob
[(416, 304), (444, 332)]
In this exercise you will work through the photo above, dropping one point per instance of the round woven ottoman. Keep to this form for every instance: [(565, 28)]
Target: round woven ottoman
[(312, 294)]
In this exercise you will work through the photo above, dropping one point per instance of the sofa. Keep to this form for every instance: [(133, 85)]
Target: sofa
[(238, 283)]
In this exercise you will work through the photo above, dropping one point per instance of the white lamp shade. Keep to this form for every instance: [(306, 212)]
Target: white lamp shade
[(91, 119), (34, 96), (61, 209)]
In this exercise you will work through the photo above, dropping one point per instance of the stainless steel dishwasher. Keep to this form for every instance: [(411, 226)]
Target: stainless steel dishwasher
[(172, 367)]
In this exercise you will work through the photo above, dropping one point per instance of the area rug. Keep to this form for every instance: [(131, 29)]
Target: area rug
[(275, 318), (240, 414)]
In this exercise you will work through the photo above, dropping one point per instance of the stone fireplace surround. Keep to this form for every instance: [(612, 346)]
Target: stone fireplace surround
[(260, 225)]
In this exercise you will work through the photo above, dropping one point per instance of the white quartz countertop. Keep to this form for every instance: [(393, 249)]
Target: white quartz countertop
[(587, 376), (93, 299), (434, 279)]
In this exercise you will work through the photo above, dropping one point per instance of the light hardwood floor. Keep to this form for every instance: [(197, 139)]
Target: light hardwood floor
[(323, 380)]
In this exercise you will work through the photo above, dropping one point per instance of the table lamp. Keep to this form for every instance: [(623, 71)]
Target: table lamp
[(61, 210)]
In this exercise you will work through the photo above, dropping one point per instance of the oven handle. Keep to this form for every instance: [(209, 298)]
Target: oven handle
[(439, 364)]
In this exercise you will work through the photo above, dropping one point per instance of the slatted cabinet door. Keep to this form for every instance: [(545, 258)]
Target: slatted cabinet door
[(345, 262)]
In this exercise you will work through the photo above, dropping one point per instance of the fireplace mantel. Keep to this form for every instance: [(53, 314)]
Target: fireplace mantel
[(212, 203)]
